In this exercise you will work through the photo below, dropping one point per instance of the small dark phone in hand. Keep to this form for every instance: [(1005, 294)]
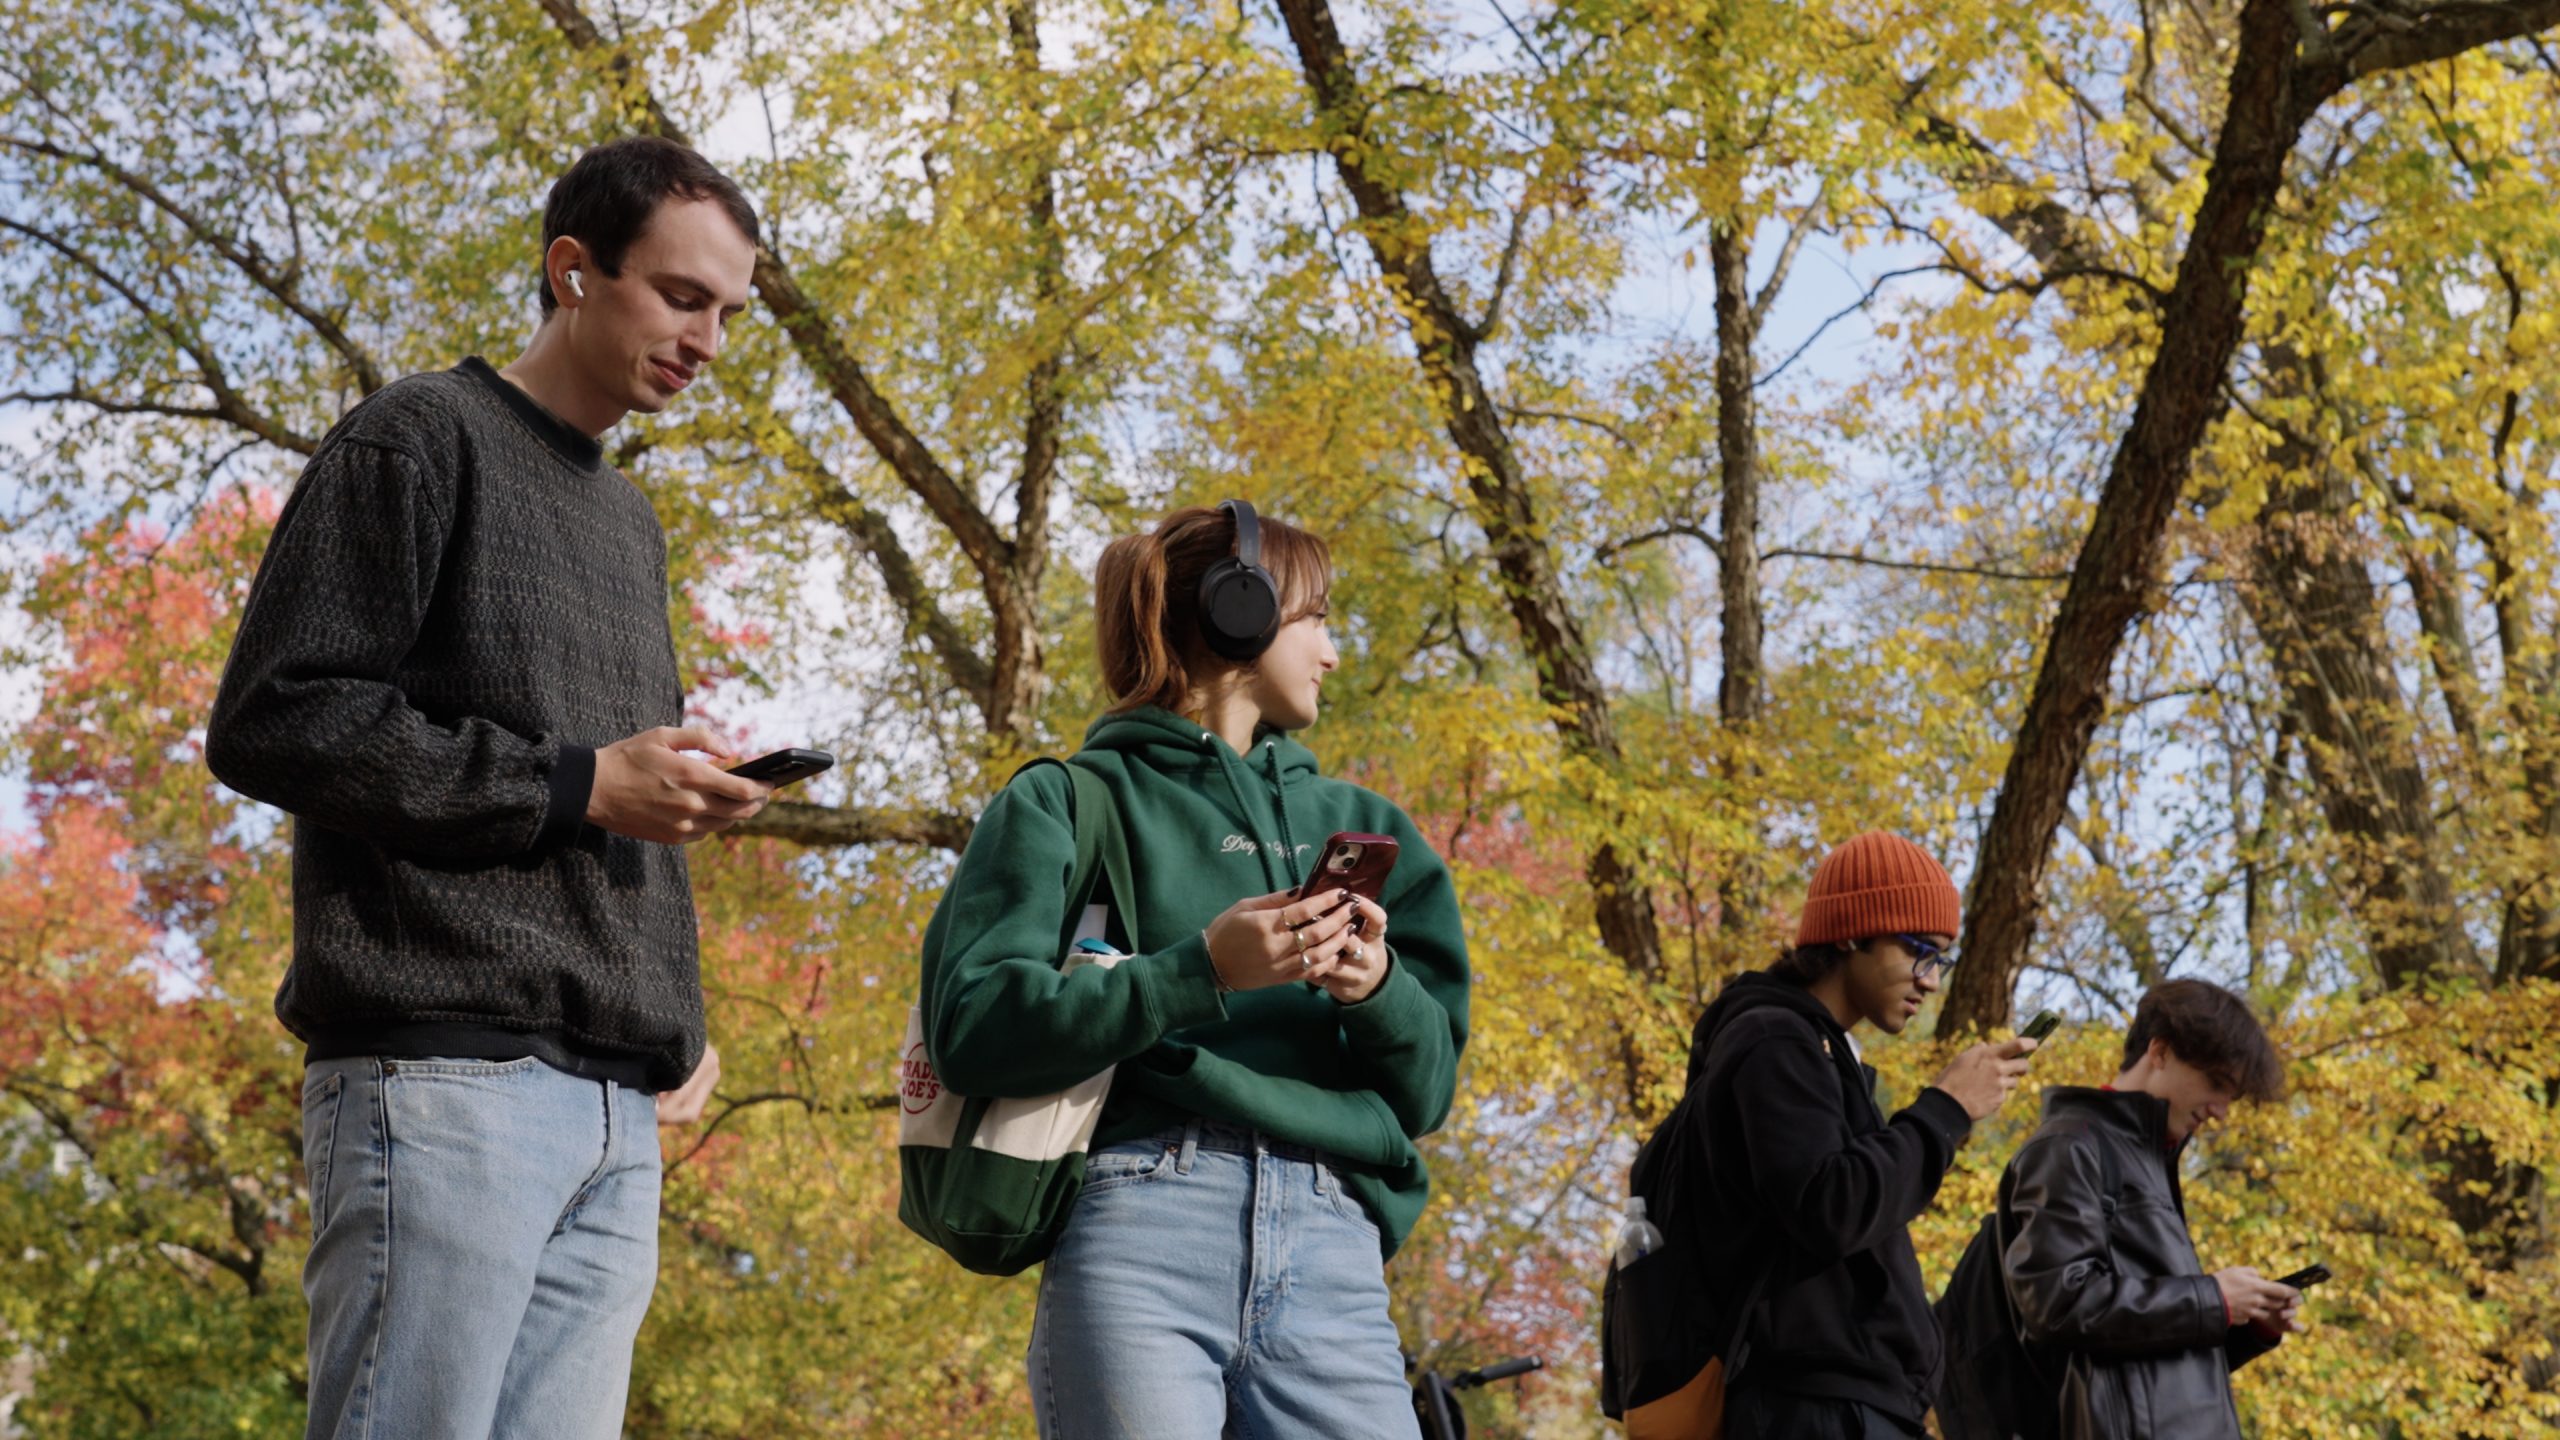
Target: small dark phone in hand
[(1354, 862), (2045, 1023), (784, 766), (2306, 1277)]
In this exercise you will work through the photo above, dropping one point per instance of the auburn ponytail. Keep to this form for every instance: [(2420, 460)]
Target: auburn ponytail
[(1128, 615), (1146, 600)]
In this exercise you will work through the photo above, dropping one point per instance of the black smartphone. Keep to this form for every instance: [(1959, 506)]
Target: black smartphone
[(2045, 1023), (784, 766), (2306, 1277)]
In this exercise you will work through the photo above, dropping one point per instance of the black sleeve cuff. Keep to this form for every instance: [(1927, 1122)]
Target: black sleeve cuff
[(573, 780), (1944, 1115)]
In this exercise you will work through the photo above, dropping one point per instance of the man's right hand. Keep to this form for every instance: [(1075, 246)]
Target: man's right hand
[(1981, 1078), (2251, 1297), (648, 788)]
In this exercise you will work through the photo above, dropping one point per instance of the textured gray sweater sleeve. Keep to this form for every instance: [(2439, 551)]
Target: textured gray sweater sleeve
[(309, 717)]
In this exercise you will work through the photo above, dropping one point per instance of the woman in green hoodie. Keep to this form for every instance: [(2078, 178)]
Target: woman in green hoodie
[(1255, 1165)]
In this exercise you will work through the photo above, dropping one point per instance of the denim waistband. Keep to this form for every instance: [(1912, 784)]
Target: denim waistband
[(1231, 1139)]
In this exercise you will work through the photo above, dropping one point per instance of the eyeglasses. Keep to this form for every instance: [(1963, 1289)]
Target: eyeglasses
[(1927, 957)]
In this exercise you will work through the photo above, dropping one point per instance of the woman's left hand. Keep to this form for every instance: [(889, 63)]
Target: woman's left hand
[(1355, 962)]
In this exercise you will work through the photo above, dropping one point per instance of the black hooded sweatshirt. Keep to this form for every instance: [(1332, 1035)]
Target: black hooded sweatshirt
[(1811, 1178)]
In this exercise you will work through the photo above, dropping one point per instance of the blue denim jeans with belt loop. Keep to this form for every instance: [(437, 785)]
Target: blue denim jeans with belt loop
[(1215, 1282), (485, 1241)]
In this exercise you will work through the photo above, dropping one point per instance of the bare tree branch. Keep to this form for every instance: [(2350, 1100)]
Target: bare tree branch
[(1566, 417), (2373, 39), (908, 588), (826, 825), (229, 405), (1482, 329), (243, 257), (1805, 221), (1931, 567), (1504, 503)]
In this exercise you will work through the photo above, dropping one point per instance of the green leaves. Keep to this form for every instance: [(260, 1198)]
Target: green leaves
[(1094, 261)]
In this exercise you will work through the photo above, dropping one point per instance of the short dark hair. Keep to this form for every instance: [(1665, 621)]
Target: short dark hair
[(606, 199), (2210, 1028)]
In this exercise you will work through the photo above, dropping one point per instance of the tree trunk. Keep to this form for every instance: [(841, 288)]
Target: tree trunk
[(2313, 604), (1445, 345), (2111, 584), (1739, 689)]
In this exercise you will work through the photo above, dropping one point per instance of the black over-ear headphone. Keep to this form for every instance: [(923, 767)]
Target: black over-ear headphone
[(1239, 603)]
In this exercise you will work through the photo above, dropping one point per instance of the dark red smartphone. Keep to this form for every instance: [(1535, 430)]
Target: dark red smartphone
[(1354, 862), (784, 766)]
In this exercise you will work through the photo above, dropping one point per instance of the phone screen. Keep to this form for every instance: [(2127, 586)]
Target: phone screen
[(2044, 1024)]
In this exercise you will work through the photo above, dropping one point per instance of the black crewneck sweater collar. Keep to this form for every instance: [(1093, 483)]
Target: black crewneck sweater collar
[(582, 452)]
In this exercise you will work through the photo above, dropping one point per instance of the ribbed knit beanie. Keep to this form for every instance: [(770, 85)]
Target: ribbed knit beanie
[(1878, 884)]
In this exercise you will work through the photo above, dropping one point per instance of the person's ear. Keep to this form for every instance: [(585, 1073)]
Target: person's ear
[(2159, 1054), (566, 260)]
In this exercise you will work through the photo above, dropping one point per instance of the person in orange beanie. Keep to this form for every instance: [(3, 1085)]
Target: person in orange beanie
[(1812, 1186)]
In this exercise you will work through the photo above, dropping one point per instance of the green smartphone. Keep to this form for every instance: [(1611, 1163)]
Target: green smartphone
[(2045, 1023)]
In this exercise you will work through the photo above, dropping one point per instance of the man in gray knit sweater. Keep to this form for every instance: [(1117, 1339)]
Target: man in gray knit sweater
[(455, 673)]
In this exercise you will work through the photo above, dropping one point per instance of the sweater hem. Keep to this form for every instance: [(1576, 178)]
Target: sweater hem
[(418, 1040)]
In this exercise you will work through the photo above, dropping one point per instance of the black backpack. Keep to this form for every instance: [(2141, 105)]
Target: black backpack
[(1670, 1340), (1996, 1385), (1669, 1343)]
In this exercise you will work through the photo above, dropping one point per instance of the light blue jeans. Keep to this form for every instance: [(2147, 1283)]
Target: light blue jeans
[(485, 1239), (1214, 1282)]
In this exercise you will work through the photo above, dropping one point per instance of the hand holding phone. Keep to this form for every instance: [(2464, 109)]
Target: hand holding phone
[(1357, 863), (2306, 1277), (654, 786), (1352, 861)]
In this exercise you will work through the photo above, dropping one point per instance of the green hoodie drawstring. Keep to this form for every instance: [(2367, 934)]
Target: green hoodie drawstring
[(1270, 748), (1280, 797)]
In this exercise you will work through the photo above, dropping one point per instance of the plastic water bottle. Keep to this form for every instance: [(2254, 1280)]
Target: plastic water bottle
[(1637, 1236)]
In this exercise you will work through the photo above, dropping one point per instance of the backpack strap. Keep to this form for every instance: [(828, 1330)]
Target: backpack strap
[(1102, 847), (1737, 1344)]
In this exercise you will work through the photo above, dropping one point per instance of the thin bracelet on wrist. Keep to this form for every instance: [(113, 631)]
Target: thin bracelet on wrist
[(1220, 976)]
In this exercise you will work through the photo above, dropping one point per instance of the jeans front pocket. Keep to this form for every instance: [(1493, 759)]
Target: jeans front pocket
[(322, 1096), (1342, 1202), (464, 1066), (1124, 1165)]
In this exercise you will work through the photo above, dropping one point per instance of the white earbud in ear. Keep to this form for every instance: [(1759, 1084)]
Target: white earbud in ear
[(575, 288)]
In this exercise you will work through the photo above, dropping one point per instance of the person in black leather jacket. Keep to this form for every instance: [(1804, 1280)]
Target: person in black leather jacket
[(1815, 1189), (2148, 1340)]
